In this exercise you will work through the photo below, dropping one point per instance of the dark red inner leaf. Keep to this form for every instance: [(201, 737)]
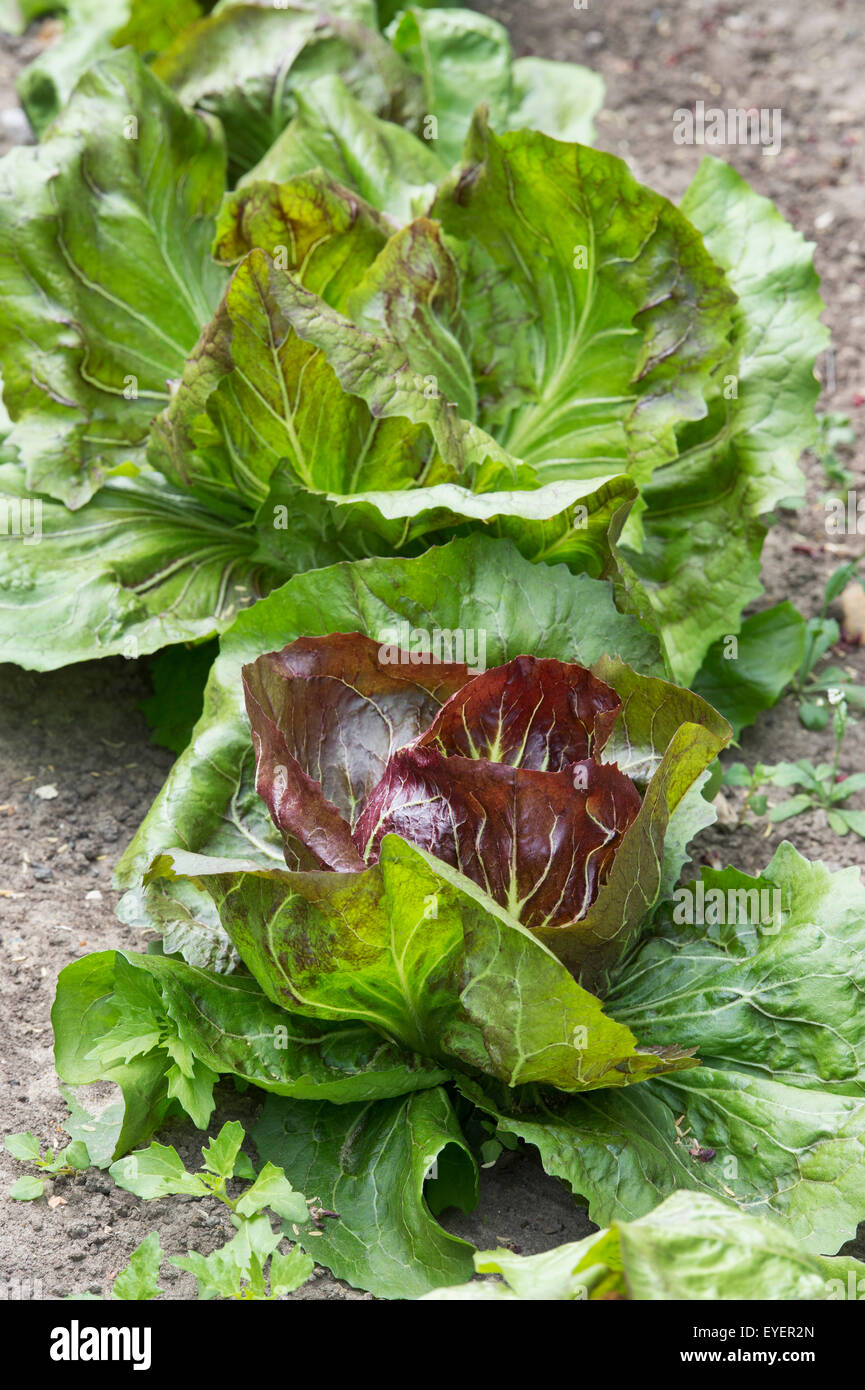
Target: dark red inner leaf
[(532, 713), (540, 843)]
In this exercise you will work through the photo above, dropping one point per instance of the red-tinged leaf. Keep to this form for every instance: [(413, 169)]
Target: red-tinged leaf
[(326, 714), (539, 843), (531, 713)]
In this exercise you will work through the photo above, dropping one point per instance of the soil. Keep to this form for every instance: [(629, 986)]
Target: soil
[(80, 730)]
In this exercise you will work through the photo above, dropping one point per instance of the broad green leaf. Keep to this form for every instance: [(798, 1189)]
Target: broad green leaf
[(244, 63), (694, 813), (698, 566), (774, 1118), (201, 1026), (370, 1163), (156, 1172), (391, 168), (464, 57), (187, 921), (84, 1011), (272, 1189), (597, 315), (744, 679), (417, 952), (178, 676), (98, 1132), (694, 1247), (572, 523), (798, 1153), (320, 232), (773, 980), (690, 1248), (560, 99), (699, 563), (92, 28), (139, 1279), (776, 320), (665, 737), (141, 565), (104, 292), (362, 419), (475, 585)]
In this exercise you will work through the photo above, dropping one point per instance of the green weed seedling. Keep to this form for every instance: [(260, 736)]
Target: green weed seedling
[(819, 786), (822, 633), (238, 1269), (27, 1149), (834, 431)]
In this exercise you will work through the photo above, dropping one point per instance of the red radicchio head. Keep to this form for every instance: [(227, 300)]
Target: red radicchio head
[(496, 774)]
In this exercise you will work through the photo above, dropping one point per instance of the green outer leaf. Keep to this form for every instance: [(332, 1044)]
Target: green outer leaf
[(208, 803), (80, 322), (700, 560), (324, 234), (178, 677), (214, 1025), (694, 1247), (778, 991), (372, 366), (425, 958), (559, 99), (690, 1248), (563, 522), (141, 565), (462, 57), (84, 1010), (780, 1095), (771, 646), (698, 566), (620, 1150), (777, 320), (369, 1163)]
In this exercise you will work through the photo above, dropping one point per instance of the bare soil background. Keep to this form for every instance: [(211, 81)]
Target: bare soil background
[(81, 731)]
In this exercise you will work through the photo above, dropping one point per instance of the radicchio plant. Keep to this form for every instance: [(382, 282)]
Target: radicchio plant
[(499, 775)]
